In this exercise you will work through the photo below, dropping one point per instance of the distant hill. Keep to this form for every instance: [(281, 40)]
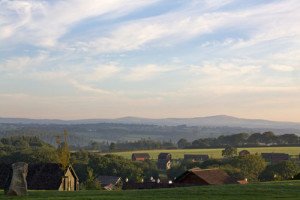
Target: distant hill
[(210, 121), (81, 132)]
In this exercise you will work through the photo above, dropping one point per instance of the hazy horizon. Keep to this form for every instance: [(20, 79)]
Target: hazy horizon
[(152, 58), (154, 118)]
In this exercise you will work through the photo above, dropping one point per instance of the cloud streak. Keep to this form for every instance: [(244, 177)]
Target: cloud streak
[(43, 23)]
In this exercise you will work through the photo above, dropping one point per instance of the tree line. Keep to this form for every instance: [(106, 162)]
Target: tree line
[(237, 140), (242, 140)]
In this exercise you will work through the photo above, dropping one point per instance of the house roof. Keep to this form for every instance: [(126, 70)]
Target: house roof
[(275, 156), (107, 180), (244, 151), (141, 155), (164, 156), (210, 176)]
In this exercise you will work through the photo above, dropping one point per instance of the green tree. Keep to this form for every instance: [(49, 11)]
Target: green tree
[(112, 147), (282, 171), (251, 166), (183, 143), (64, 152), (149, 168), (232, 171), (113, 165), (269, 137), (81, 157), (91, 182), (229, 152), (176, 170)]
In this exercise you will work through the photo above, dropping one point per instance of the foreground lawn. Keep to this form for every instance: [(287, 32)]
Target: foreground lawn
[(213, 153), (271, 190)]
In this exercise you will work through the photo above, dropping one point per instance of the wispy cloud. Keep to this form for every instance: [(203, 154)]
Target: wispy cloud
[(282, 68), (88, 88), (18, 64), (223, 70), (147, 72), (43, 23), (164, 29), (102, 72)]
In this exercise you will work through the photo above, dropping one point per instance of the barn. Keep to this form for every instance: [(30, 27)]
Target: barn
[(274, 158), (197, 176), (140, 156)]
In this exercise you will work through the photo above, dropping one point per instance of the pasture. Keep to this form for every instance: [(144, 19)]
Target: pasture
[(267, 191), (213, 153)]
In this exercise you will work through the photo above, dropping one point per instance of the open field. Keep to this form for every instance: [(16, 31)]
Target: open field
[(271, 190), (213, 153)]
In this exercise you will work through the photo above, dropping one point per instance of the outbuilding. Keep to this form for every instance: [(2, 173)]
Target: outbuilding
[(140, 156), (197, 176)]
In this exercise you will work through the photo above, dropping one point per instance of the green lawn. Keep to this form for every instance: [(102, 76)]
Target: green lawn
[(213, 153), (271, 190)]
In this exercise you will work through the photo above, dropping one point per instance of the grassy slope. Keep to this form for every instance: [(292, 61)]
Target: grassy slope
[(214, 153), (275, 190)]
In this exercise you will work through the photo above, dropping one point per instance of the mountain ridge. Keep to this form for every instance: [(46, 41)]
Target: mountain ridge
[(209, 121)]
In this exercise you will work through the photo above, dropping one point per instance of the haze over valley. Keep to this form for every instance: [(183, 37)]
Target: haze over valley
[(82, 132)]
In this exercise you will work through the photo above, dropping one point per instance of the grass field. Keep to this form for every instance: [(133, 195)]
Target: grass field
[(271, 190), (213, 153)]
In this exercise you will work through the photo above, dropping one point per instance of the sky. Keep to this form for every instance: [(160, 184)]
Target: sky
[(78, 59)]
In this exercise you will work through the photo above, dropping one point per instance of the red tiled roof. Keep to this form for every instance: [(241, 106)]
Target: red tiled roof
[(210, 176), (141, 155)]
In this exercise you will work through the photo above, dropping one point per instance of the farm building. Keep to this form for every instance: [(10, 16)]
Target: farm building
[(49, 176), (164, 161), (110, 182), (244, 153), (197, 176), (196, 157), (274, 158), (140, 156)]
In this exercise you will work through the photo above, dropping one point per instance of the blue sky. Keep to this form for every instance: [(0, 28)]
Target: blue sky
[(150, 58)]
